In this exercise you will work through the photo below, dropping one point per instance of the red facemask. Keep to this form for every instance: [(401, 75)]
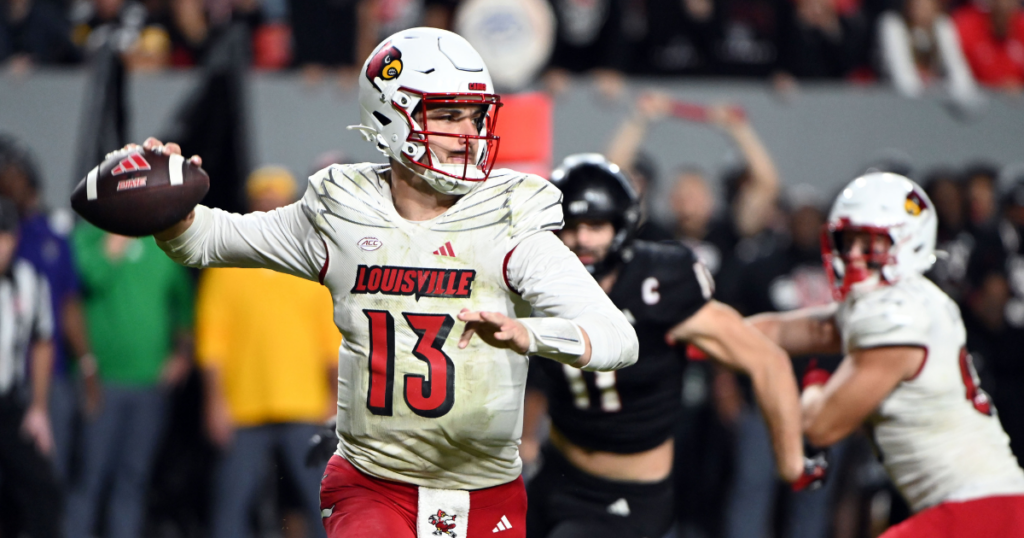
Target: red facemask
[(852, 274), (490, 141)]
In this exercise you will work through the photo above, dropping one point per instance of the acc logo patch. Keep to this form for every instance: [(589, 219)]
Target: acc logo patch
[(370, 243), (444, 524), (914, 204), (386, 64)]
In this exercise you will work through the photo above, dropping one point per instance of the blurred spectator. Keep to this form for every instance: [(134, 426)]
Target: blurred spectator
[(982, 197), (43, 242), (591, 37), (269, 360), (26, 442), (1001, 251), (624, 150), (587, 35), (34, 32), (750, 37), (116, 23), (174, 35), (821, 43), (751, 190), (953, 239), (992, 35), (920, 46), (788, 277), (679, 38), (791, 276), (138, 309), (331, 34)]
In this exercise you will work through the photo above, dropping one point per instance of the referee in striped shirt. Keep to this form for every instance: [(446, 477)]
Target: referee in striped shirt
[(26, 361)]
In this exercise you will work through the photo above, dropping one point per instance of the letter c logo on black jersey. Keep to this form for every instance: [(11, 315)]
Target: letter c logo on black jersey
[(649, 291)]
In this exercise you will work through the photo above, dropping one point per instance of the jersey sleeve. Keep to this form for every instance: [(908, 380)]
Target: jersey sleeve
[(693, 289), (536, 207), (888, 319), (284, 240), (555, 283)]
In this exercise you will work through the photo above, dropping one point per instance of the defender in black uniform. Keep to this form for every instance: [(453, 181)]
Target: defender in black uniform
[(606, 467)]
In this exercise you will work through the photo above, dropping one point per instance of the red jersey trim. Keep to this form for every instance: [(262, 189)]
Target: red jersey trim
[(327, 262), (924, 361), (504, 271)]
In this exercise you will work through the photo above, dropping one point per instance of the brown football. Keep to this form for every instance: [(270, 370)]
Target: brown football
[(139, 192)]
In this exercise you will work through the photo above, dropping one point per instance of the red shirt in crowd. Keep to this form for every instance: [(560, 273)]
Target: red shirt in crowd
[(994, 61)]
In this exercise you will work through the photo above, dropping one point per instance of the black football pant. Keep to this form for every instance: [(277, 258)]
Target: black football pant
[(565, 502), (27, 477)]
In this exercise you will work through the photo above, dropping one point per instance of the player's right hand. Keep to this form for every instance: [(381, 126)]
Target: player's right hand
[(496, 329), (171, 148)]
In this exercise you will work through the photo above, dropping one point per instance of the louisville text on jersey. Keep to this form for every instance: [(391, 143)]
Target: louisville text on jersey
[(414, 281)]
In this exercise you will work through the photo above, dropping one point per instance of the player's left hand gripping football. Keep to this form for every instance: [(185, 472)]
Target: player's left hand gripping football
[(498, 330)]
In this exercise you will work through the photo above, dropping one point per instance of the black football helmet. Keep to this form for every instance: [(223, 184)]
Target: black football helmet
[(595, 189)]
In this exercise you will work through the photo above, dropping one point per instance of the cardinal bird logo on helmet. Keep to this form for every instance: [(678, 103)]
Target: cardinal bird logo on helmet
[(386, 64), (914, 204)]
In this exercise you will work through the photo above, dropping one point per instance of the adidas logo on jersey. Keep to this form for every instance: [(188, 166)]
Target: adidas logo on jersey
[(131, 163), (502, 525), (445, 250), (619, 508)]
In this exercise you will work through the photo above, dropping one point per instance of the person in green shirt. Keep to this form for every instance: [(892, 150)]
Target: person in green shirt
[(138, 311)]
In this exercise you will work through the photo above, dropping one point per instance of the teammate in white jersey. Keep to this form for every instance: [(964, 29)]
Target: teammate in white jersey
[(907, 373), (420, 255)]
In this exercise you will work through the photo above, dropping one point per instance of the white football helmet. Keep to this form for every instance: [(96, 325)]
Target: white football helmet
[(428, 65), (885, 204)]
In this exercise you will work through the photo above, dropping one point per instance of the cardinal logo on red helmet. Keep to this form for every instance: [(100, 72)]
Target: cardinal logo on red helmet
[(386, 64)]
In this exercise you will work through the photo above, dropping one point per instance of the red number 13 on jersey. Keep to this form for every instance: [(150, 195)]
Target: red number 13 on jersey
[(429, 396)]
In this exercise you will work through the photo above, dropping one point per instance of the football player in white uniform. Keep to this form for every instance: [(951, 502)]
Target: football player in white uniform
[(420, 255), (907, 373)]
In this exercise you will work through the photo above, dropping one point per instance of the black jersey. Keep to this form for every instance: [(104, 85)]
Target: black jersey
[(635, 408)]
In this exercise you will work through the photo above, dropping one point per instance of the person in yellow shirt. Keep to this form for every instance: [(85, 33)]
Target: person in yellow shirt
[(269, 354)]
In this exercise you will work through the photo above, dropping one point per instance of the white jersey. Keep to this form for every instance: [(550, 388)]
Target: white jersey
[(937, 434), (412, 406)]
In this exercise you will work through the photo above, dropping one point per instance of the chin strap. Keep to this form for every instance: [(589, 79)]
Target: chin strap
[(369, 133)]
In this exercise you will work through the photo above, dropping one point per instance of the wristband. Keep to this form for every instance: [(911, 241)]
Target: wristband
[(555, 338)]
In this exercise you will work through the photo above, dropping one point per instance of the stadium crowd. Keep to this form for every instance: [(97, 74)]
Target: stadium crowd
[(913, 44)]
